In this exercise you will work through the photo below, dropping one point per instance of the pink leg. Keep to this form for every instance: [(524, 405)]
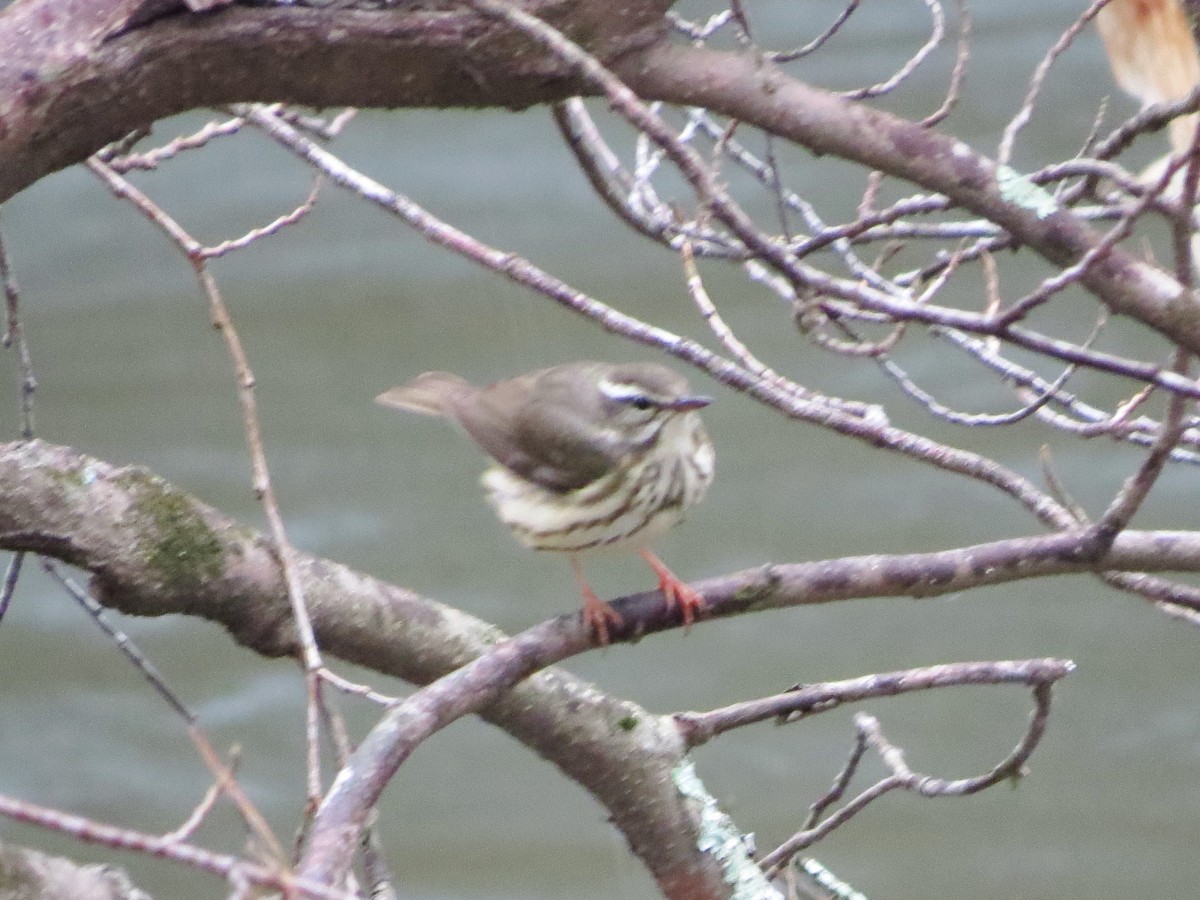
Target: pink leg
[(596, 613), (674, 591)]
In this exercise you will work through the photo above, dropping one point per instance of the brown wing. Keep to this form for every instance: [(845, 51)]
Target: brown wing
[(542, 427)]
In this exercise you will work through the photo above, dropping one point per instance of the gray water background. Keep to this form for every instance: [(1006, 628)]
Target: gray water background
[(350, 302)]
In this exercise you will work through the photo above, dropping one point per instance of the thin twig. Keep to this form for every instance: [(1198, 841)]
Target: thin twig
[(14, 337), (903, 777), (356, 690), (254, 234), (803, 701), (226, 782), (937, 31), (150, 160), (961, 54), (1005, 151), (231, 868), (188, 828), (868, 428), (263, 489), (786, 56)]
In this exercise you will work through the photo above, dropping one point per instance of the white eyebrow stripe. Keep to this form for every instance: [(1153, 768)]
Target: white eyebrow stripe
[(617, 391)]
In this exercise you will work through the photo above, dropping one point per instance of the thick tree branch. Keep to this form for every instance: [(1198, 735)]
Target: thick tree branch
[(100, 70), (751, 91), (76, 74), (152, 550)]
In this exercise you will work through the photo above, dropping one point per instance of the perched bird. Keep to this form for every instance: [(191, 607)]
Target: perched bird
[(588, 456)]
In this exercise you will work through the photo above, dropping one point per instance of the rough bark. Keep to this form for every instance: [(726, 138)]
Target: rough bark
[(153, 550), (77, 74)]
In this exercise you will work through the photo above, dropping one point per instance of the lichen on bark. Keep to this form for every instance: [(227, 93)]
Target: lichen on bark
[(173, 539)]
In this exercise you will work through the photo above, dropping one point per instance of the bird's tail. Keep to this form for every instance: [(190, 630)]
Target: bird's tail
[(430, 394)]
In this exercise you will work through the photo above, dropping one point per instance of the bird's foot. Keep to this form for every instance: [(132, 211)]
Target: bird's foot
[(597, 615), (675, 592)]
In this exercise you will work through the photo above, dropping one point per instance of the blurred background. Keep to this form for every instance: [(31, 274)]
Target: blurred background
[(349, 302)]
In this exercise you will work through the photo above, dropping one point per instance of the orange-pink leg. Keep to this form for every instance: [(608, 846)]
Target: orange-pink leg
[(674, 591), (596, 613)]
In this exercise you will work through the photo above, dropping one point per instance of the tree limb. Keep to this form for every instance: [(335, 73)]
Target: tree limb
[(152, 550), (99, 70), (754, 92)]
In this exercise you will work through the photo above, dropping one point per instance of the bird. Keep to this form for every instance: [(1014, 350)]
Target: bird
[(586, 456)]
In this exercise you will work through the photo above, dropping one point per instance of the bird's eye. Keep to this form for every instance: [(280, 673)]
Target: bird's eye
[(641, 401)]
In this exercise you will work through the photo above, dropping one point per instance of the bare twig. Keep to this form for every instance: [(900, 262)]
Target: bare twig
[(226, 782), (14, 336), (903, 778), (344, 811), (961, 55), (803, 701), (236, 871), (521, 271), (263, 489), (188, 828), (1005, 152), (254, 234), (121, 161), (624, 194), (365, 691), (841, 782), (937, 31), (786, 56)]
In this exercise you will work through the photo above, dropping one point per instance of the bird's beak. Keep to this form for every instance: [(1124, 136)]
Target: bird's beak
[(684, 404)]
